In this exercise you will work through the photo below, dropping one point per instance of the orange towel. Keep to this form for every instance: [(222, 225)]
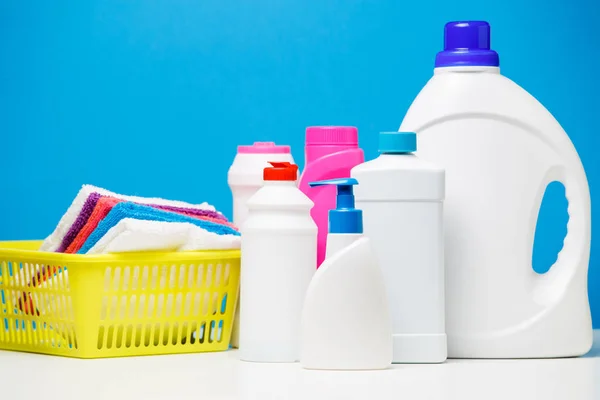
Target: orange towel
[(102, 208)]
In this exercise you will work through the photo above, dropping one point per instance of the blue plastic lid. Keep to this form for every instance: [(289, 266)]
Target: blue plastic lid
[(344, 218), (397, 142), (467, 43)]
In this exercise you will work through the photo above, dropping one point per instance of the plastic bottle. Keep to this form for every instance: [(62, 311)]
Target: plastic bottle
[(331, 152), (245, 177), (279, 250), (402, 200), (346, 321), (501, 148)]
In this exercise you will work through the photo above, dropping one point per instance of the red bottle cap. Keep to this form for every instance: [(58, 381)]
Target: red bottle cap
[(281, 171)]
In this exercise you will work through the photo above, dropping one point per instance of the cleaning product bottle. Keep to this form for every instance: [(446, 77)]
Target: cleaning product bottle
[(245, 177), (346, 321), (401, 197), (279, 250), (331, 152), (501, 148)]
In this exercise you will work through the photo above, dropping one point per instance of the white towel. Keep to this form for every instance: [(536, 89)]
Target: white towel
[(141, 235), (52, 242)]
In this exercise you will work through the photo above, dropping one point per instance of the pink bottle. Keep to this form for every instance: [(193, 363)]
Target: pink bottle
[(331, 152)]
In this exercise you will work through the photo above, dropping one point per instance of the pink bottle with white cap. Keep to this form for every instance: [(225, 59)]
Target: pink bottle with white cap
[(331, 152), (245, 177)]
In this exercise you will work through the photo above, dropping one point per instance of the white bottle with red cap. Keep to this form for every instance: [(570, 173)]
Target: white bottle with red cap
[(279, 254), (245, 177)]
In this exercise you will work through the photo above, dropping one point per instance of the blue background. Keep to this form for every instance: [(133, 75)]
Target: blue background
[(151, 97)]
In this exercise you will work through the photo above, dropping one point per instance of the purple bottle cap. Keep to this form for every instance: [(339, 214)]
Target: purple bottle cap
[(467, 43)]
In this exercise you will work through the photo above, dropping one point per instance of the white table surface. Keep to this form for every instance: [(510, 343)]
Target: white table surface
[(222, 376)]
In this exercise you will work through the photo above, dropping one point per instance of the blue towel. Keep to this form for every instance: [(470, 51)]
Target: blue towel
[(137, 211)]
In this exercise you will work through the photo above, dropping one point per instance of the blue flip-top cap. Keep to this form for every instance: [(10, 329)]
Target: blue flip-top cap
[(467, 43), (344, 218)]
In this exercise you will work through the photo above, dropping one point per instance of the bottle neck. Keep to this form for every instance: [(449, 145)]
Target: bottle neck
[(315, 152), (466, 69), (280, 183), (394, 154)]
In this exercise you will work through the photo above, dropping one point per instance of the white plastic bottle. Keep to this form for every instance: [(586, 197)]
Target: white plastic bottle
[(346, 321), (501, 148), (279, 258), (245, 177), (402, 200)]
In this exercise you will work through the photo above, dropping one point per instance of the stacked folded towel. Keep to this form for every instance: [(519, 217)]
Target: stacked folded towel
[(100, 221)]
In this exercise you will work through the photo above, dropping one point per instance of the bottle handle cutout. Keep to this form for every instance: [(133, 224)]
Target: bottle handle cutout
[(573, 258)]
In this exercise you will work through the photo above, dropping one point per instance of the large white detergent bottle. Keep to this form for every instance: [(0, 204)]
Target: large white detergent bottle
[(501, 148)]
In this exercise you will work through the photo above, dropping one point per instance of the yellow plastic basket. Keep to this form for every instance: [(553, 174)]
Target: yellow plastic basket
[(116, 305)]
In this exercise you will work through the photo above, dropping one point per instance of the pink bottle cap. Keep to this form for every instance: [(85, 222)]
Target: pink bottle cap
[(331, 135), (264, 148)]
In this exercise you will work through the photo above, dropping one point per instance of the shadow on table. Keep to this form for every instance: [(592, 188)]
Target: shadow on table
[(595, 351)]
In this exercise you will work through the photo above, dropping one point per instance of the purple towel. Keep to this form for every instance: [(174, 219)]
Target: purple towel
[(92, 200), (193, 211), (84, 215)]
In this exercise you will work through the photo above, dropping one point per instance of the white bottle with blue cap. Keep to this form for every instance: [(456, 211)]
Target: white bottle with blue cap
[(346, 322), (501, 148), (402, 200)]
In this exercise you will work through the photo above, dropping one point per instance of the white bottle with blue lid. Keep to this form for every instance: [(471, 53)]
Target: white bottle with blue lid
[(501, 148), (402, 200), (345, 320)]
